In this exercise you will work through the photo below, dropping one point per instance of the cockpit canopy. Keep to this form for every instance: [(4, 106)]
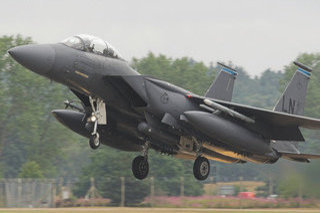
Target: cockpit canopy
[(89, 43)]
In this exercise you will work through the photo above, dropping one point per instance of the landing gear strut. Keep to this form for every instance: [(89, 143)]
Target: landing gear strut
[(201, 168), (98, 113), (140, 165)]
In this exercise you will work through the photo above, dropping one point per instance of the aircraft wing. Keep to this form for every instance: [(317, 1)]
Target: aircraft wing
[(273, 118)]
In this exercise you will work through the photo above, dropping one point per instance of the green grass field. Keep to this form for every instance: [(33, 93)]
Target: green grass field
[(153, 210)]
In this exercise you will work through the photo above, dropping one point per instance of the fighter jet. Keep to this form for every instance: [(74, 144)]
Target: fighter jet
[(129, 111)]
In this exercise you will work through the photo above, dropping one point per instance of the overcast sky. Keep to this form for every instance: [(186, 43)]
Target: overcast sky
[(254, 34)]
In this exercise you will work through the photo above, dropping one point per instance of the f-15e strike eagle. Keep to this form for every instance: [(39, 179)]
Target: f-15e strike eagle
[(134, 112)]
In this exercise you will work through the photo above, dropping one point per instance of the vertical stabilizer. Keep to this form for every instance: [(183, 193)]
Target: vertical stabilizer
[(222, 87), (293, 98), (292, 101)]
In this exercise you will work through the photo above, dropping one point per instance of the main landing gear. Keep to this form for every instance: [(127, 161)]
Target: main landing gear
[(98, 116), (140, 165), (201, 168)]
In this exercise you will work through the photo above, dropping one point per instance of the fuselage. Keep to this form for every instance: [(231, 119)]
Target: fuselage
[(165, 115)]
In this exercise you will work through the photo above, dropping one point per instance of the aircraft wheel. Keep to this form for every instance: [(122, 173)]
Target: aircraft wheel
[(140, 167), (201, 168), (94, 141)]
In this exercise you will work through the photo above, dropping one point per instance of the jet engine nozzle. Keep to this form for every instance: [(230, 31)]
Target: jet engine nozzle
[(39, 58)]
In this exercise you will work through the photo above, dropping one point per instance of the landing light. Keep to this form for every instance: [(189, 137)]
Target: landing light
[(93, 118)]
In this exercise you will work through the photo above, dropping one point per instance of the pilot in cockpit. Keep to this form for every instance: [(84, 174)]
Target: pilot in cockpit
[(92, 44)]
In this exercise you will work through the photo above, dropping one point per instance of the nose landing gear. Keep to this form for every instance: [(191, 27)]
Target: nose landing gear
[(98, 116)]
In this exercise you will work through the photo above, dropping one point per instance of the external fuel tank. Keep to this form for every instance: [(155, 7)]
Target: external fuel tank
[(112, 137), (228, 132)]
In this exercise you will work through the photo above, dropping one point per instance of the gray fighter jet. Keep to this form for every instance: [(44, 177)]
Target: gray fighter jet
[(133, 112)]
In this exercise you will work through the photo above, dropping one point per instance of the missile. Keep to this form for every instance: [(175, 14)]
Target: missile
[(228, 111)]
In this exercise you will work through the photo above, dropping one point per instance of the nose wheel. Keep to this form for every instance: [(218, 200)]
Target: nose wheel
[(94, 141), (201, 168)]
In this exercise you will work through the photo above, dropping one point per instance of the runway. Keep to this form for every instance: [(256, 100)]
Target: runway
[(148, 210)]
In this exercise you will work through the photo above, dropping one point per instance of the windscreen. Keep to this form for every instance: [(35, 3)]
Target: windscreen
[(92, 44)]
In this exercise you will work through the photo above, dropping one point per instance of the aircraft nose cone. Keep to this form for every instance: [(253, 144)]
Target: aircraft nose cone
[(37, 58)]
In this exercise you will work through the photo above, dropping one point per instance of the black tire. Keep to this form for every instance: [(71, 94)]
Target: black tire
[(201, 168), (94, 142), (140, 167)]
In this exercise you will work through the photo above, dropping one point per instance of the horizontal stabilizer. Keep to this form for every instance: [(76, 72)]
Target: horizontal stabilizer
[(284, 134), (294, 155), (299, 157), (285, 146)]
